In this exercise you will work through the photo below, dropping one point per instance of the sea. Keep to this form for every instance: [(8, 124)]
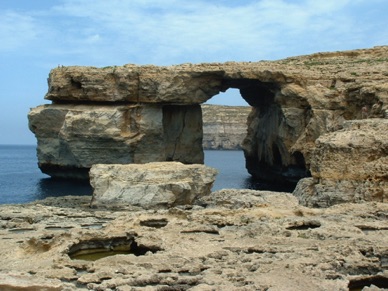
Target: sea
[(21, 181)]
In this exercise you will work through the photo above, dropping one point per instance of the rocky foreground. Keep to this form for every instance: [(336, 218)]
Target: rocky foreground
[(230, 240)]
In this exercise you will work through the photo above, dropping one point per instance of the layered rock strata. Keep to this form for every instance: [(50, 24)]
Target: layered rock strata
[(151, 185), (349, 165), (236, 240), (158, 116), (224, 127), (72, 138)]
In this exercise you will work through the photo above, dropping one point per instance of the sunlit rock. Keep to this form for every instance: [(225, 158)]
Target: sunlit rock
[(72, 138), (151, 185), (349, 165)]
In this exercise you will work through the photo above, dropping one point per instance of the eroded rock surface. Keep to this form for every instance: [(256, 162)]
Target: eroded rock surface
[(183, 84), (71, 138), (349, 165), (151, 185), (230, 240)]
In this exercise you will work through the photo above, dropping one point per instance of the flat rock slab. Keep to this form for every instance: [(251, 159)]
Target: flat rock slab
[(151, 185), (265, 242)]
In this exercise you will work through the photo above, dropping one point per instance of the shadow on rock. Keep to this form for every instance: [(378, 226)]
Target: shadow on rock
[(50, 187)]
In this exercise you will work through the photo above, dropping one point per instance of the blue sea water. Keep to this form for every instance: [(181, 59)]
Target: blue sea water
[(21, 180), (233, 174)]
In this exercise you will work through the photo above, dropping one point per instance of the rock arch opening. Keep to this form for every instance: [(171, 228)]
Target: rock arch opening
[(271, 129), (256, 93), (225, 121), (224, 128)]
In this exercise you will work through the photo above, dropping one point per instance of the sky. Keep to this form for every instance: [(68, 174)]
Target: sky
[(38, 35)]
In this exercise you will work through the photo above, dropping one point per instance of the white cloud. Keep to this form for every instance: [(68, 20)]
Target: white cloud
[(173, 31), (167, 31)]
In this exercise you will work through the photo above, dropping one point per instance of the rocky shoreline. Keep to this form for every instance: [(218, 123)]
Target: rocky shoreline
[(230, 240), (319, 119)]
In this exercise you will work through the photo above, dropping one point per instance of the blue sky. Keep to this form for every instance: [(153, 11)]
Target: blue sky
[(37, 35)]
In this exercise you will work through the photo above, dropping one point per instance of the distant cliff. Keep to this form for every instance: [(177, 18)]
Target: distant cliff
[(224, 127)]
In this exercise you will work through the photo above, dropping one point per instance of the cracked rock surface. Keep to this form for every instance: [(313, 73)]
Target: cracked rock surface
[(230, 240)]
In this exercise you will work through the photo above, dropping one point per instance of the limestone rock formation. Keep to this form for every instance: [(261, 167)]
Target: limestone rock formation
[(349, 165), (183, 84), (224, 127), (151, 185), (72, 138), (294, 101), (263, 241)]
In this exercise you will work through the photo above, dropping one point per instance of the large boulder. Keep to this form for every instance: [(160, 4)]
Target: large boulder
[(151, 185), (349, 165)]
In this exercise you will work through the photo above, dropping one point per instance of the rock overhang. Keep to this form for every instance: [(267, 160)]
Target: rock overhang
[(179, 84)]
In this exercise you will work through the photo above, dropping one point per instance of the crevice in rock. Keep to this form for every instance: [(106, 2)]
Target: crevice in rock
[(58, 228), (95, 249), (155, 223), (75, 84), (179, 135), (360, 283), (182, 129), (259, 251), (64, 172), (304, 225), (204, 230), (20, 230)]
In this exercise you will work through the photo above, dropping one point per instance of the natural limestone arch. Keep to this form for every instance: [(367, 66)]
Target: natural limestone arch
[(145, 114), (139, 114)]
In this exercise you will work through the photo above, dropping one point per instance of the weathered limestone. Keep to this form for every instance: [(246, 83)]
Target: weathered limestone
[(295, 101), (18, 281), (134, 84), (290, 114), (151, 185), (224, 127), (71, 138), (349, 165), (237, 240)]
